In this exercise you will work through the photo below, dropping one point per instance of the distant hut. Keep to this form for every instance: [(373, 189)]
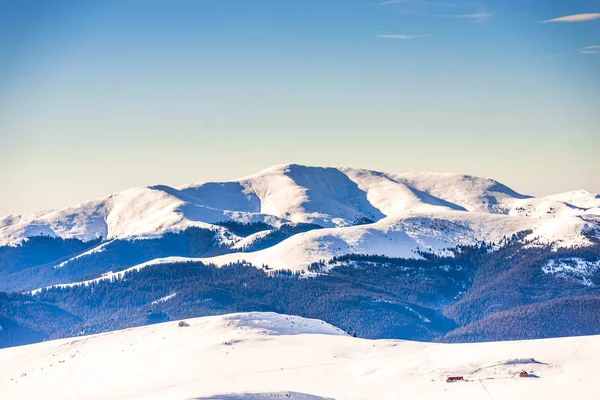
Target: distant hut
[(524, 374), (454, 379)]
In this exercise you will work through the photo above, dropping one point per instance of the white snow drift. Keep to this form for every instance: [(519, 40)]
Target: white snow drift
[(270, 356)]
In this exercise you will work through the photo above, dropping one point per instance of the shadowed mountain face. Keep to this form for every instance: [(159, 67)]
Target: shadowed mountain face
[(225, 196), (329, 192)]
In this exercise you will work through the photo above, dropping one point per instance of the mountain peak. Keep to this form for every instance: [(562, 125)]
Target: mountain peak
[(288, 193)]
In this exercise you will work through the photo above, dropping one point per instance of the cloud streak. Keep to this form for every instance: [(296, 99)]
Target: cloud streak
[(575, 18), (425, 8), (422, 2), (255, 33), (590, 50), (474, 16), (401, 37), (471, 16)]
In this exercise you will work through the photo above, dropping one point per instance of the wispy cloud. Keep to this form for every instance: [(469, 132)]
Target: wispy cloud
[(401, 37), (472, 16), (426, 8), (575, 18), (255, 33), (590, 50), (423, 2)]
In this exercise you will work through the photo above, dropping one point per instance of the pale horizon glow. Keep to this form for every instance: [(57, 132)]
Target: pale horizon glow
[(98, 97)]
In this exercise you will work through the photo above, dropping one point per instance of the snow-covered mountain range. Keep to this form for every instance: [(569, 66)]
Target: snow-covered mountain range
[(272, 356), (362, 211)]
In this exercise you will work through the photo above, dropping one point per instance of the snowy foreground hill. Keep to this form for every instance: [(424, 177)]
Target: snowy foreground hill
[(274, 356), (361, 211)]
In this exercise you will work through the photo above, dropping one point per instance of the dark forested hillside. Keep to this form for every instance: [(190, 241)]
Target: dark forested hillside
[(476, 295), (242, 229), (369, 308), (562, 317), (25, 320), (38, 262), (513, 276), (39, 250), (114, 256)]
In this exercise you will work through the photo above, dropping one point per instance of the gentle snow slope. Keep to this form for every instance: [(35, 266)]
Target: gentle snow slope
[(267, 356), (579, 198)]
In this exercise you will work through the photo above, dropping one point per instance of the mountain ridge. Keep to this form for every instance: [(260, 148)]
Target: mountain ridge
[(328, 196), (362, 211)]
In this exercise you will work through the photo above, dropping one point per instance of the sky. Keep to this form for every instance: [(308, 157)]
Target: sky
[(101, 96)]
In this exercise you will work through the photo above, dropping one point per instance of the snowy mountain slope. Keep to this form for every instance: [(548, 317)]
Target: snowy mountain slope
[(404, 237), (134, 213), (392, 196), (267, 356), (325, 196), (248, 240), (453, 191), (544, 208), (427, 211), (578, 198)]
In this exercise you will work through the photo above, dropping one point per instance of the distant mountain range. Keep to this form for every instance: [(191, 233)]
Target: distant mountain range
[(363, 211), (420, 256)]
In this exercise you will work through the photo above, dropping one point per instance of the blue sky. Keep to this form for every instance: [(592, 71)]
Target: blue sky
[(99, 96)]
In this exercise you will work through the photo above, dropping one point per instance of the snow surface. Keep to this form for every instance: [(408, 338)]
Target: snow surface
[(164, 299), (269, 356), (579, 198), (410, 212), (573, 268)]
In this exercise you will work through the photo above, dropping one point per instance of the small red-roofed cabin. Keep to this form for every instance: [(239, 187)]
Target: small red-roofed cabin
[(455, 379), (524, 374)]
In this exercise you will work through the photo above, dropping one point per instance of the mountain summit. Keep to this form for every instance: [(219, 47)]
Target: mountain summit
[(329, 197), (361, 211)]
